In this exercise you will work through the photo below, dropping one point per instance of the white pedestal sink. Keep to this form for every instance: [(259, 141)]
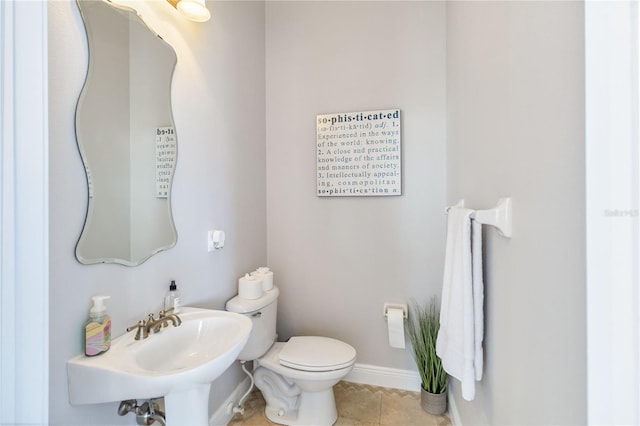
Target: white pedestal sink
[(178, 363)]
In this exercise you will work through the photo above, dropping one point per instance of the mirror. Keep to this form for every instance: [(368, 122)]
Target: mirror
[(126, 137)]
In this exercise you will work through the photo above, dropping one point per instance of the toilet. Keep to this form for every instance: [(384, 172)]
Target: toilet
[(296, 378)]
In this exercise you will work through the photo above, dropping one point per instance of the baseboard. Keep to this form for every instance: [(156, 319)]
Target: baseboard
[(223, 415), (385, 377), (454, 415)]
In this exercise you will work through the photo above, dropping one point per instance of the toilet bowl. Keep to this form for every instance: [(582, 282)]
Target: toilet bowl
[(296, 378)]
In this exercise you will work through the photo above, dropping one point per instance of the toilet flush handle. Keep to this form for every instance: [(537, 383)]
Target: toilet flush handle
[(257, 314)]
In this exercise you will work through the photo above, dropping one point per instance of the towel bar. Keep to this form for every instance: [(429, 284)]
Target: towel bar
[(498, 217)]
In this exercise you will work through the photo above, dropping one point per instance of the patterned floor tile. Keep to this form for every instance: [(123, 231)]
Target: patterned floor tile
[(358, 405)]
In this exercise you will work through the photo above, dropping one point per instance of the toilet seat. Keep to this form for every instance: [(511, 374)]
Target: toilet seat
[(315, 353)]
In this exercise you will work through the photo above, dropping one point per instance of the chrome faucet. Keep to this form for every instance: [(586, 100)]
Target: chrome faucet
[(152, 325)]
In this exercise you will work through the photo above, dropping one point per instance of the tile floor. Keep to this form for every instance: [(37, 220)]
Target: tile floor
[(358, 405)]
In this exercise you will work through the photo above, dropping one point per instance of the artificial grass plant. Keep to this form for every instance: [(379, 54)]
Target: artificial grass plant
[(423, 325)]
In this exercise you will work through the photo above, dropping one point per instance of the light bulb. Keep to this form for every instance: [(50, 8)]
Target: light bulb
[(195, 10)]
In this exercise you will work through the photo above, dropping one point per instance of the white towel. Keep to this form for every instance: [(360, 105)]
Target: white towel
[(459, 342), (478, 296)]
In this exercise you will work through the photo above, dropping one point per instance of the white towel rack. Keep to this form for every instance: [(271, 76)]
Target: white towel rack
[(498, 217)]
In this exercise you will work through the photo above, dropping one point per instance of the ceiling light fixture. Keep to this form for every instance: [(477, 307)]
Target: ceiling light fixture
[(195, 10)]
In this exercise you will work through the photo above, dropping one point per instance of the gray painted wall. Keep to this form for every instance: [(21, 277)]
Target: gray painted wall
[(337, 260), (515, 127), (218, 98), (509, 123)]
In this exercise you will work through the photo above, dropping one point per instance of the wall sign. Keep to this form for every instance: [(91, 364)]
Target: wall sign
[(358, 154), (165, 159)]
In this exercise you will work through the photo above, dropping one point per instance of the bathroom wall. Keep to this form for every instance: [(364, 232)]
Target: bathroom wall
[(515, 127), (491, 95), (337, 260), (219, 111)]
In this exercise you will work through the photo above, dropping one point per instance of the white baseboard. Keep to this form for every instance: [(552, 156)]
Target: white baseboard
[(454, 416), (385, 377), (222, 415)]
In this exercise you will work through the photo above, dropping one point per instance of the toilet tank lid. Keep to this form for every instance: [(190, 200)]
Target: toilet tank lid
[(240, 305)]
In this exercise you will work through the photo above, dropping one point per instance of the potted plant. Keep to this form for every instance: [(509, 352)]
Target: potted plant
[(423, 325)]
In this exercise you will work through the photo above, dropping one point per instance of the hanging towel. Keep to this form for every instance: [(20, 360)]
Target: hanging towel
[(478, 296), (459, 342)]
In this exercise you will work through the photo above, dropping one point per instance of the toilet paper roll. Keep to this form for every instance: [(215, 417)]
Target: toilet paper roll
[(250, 287), (267, 277), (395, 322)]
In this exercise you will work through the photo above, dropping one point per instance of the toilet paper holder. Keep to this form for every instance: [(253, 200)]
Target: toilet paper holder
[(403, 306)]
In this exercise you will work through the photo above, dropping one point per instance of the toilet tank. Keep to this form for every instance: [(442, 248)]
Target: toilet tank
[(262, 312)]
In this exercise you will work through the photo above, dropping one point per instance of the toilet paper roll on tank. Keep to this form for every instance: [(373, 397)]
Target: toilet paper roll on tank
[(250, 287), (253, 285), (267, 277)]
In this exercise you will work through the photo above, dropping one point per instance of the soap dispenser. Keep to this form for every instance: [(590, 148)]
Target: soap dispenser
[(98, 328), (172, 299)]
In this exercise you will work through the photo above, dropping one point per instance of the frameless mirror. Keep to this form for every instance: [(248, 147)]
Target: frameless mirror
[(126, 138)]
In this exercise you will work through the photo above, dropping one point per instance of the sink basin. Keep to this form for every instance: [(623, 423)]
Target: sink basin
[(180, 361)]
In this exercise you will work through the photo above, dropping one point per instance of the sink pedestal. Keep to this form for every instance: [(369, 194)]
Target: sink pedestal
[(188, 407)]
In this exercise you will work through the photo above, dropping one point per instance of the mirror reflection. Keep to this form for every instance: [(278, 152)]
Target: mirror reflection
[(126, 137)]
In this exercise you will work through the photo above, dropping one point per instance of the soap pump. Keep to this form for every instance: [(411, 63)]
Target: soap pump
[(172, 299), (98, 328)]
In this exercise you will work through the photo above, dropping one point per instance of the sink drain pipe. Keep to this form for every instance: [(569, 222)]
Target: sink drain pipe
[(146, 414)]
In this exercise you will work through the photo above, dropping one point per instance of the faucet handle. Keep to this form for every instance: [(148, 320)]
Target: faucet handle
[(162, 315), (141, 330), (139, 324)]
